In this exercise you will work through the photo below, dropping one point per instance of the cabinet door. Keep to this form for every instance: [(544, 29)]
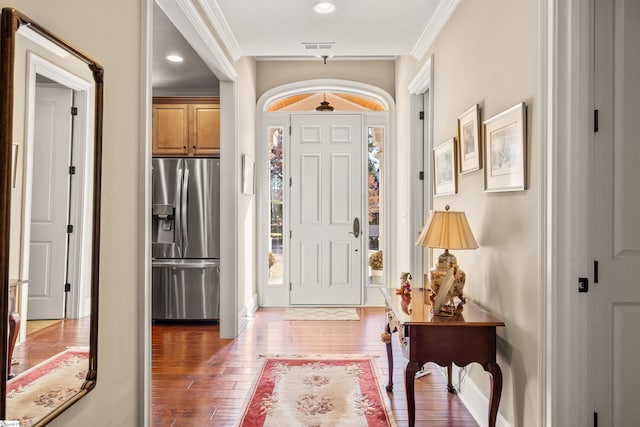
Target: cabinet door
[(170, 129), (205, 129)]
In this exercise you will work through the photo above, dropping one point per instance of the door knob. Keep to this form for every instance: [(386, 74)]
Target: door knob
[(356, 228)]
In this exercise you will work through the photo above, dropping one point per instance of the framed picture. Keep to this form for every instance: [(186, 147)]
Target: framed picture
[(469, 146), (247, 175), (505, 150), (444, 168)]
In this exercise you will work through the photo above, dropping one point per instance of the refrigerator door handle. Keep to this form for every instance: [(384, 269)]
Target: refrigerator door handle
[(178, 216), (184, 194)]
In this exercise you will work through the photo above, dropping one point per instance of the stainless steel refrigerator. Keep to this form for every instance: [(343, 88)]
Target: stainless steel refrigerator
[(185, 239)]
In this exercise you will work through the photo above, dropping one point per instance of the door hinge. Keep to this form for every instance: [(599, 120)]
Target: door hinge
[(290, 233), (583, 284), (421, 116), (289, 130), (595, 121), (74, 111), (421, 175), (67, 287), (595, 419), (70, 228), (596, 271), (290, 181), (290, 287), (72, 170)]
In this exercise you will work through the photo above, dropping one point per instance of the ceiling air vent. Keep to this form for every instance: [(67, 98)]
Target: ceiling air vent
[(319, 47)]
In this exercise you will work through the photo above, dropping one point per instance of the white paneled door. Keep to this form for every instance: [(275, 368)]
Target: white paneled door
[(50, 203), (615, 302), (327, 209)]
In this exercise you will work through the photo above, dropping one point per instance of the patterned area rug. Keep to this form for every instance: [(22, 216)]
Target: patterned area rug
[(320, 313), (319, 391), (32, 394)]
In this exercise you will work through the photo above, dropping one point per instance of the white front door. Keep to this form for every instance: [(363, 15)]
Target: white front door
[(615, 298), (327, 196), (50, 203)]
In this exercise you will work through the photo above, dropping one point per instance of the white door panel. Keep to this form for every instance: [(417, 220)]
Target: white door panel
[(327, 194), (615, 298), (49, 203)]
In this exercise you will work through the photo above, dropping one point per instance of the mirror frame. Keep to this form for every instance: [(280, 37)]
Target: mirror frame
[(11, 21)]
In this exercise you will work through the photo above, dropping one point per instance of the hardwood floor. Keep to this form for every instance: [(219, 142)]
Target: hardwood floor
[(48, 341), (199, 379)]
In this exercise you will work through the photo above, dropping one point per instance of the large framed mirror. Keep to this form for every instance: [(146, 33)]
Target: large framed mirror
[(50, 166)]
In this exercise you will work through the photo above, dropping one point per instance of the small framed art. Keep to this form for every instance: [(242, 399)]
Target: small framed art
[(470, 144), (444, 168), (505, 150)]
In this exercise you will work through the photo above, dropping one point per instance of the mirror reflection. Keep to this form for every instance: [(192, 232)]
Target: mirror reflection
[(50, 145)]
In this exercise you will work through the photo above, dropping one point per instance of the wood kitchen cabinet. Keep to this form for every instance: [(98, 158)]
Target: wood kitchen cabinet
[(186, 126)]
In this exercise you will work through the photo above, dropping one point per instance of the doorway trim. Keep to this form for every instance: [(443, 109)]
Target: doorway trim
[(266, 119), (421, 142)]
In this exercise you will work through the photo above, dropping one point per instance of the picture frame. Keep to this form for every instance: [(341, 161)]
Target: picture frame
[(444, 168), (469, 140), (248, 168), (505, 150)]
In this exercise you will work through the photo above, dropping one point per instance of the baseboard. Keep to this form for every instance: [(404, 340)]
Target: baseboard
[(478, 404), (242, 320), (252, 305), (247, 312)]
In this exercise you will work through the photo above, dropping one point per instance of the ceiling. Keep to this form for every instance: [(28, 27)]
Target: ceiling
[(189, 77), (290, 29), (357, 27)]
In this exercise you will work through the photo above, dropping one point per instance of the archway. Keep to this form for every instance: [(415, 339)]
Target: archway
[(275, 109)]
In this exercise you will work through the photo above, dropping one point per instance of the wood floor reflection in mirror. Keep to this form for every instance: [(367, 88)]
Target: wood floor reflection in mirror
[(49, 340)]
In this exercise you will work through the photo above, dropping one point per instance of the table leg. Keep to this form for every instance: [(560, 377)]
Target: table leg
[(389, 386), (496, 391), (409, 383), (14, 329), (450, 386)]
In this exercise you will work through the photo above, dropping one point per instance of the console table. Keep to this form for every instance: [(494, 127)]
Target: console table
[(469, 336)]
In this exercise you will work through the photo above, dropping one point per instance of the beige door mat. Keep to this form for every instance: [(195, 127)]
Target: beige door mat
[(320, 313)]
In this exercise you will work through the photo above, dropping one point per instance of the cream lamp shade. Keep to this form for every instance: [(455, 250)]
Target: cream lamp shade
[(447, 230)]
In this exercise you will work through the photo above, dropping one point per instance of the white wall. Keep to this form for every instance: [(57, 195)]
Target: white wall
[(90, 27), (488, 54)]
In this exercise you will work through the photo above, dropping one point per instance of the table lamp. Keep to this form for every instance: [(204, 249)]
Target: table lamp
[(447, 230)]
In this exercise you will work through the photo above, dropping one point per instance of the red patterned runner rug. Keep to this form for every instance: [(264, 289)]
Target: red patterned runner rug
[(34, 393), (318, 391)]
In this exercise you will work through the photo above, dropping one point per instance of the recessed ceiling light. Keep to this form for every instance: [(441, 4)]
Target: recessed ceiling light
[(324, 7), (174, 58)]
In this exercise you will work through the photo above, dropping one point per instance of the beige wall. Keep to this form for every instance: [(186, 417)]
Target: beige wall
[(487, 54), (89, 26), (246, 136), (272, 74)]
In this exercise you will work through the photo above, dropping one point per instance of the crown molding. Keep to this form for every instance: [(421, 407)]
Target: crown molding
[(192, 26), (423, 80), (437, 22), (213, 12)]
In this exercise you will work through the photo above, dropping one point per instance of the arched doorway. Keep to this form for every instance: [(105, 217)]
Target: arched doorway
[(309, 104)]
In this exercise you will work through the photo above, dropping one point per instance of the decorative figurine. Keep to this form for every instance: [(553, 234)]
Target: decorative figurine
[(405, 284)]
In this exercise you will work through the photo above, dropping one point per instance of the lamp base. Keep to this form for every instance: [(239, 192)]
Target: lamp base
[(445, 262)]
